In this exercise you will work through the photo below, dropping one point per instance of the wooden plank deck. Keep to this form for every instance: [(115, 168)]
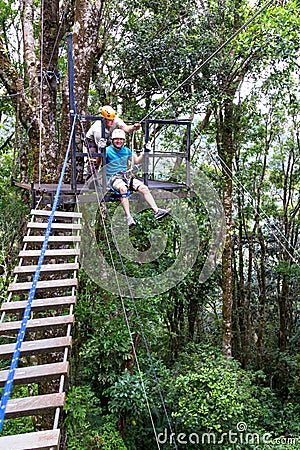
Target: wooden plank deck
[(39, 440), (52, 239), (37, 324), (55, 226), (41, 304), (33, 374), (59, 252), (37, 346), (32, 406), (62, 214), (48, 284), (46, 268)]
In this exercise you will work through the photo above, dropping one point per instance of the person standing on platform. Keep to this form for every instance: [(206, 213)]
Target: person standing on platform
[(96, 142)]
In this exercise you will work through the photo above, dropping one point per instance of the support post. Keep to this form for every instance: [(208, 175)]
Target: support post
[(188, 155), (33, 196), (73, 112), (146, 153)]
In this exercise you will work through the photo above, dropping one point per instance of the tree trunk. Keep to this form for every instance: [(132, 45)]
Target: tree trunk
[(227, 273), (31, 64), (261, 301), (241, 297), (226, 152), (49, 142), (26, 111), (85, 47), (37, 108), (286, 252)]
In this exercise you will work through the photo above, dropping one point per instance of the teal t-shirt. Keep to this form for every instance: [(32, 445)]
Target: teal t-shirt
[(116, 160)]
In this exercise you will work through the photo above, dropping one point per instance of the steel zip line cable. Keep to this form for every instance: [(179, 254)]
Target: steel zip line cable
[(207, 60), (262, 214)]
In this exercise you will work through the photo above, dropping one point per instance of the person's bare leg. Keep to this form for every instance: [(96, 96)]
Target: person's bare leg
[(120, 186), (143, 189), (125, 204), (158, 212)]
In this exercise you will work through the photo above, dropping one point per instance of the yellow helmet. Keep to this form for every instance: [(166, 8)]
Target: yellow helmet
[(108, 112)]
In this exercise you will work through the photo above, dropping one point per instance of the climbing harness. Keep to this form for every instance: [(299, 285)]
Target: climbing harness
[(128, 182), (126, 176)]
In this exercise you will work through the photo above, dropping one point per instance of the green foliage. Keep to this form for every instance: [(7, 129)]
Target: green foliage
[(13, 211), (149, 48), (109, 438), (13, 426), (26, 424), (8, 12), (271, 37), (103, 339), (127, 396), (212, 393), (87, 428), (83, 418)]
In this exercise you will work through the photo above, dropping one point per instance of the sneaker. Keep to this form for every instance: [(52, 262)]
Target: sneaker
[(130, 221), (161, 213)]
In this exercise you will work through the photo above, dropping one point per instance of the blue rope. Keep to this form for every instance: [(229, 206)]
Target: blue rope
[(15, 358)]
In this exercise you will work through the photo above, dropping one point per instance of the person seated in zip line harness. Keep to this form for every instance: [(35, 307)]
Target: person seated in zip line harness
[(122, 180), (96, 142)]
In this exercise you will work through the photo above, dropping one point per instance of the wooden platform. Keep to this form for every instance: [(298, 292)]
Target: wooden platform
[(30, 441), (51, 188), (87, 192), (48, 340)]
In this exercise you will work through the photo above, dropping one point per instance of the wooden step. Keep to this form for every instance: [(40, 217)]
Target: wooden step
[(40, 304), (47, 213), (47, 268), (47, 284), (64, 239), (32, 406), (58, 252), (36, 347), (40, 440), (37, 324), (55, 226), (33, 374)]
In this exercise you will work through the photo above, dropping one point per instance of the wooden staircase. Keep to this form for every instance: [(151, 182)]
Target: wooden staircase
[(44, 358)]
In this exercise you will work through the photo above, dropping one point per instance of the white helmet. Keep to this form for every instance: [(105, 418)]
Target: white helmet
[(118, 133)]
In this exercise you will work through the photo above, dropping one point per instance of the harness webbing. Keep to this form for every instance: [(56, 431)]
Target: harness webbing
[(128, 182), (15, 358)]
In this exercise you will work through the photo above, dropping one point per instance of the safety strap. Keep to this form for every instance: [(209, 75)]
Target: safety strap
[(121, 176)]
